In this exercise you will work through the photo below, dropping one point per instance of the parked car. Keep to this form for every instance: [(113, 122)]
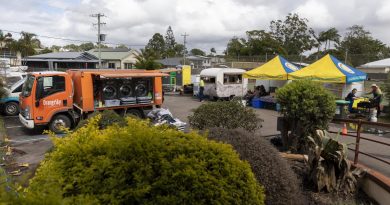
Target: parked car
[(10, 103), (11, 78)]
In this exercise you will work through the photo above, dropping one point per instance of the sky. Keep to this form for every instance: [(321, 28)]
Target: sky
[(209, 23)]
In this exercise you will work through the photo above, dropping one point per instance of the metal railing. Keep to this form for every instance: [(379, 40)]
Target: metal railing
[(358, 137)]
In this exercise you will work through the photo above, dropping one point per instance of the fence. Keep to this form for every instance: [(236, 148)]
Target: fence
[(358, 137)]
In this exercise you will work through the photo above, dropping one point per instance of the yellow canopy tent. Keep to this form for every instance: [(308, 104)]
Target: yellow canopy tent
[(329, 69), (276, 69)]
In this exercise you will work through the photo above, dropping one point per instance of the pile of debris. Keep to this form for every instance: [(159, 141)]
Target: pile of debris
[(163, 116)]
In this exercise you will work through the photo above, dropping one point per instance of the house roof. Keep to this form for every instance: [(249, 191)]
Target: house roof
[(385, 63), (64, 55), (177, 60), (112, 54)]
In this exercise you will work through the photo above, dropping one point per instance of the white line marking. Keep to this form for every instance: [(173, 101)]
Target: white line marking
[(16, 126), (31, 140)]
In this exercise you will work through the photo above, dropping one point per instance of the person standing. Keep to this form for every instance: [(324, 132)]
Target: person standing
[(377, 98), (201, 90)]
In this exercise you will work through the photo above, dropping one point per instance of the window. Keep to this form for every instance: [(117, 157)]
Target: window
[(128, 66), (12, 80), (27, 87), (111, 65), (18, 89), (232, 79), (50, 85), (209, 80)]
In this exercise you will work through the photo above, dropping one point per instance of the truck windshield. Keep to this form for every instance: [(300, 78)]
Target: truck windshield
[(27, 86)]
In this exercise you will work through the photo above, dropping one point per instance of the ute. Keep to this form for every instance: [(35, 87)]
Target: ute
[(61, 99)]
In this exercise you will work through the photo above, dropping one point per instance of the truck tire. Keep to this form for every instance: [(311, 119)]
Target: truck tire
[(11, 108), (58, 123), (134, 113)]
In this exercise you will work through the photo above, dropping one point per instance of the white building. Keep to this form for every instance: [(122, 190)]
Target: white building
[(116, 58)]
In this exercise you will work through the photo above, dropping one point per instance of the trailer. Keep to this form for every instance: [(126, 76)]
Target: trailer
[(224, 82), (61, 99)]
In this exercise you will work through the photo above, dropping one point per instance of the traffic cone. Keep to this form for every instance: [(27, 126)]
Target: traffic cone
[(344, 131)]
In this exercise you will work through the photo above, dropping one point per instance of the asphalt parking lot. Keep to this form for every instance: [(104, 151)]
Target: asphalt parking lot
[(31, 145)]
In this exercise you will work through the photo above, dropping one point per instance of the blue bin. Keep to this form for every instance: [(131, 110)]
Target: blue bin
[(256, 103)]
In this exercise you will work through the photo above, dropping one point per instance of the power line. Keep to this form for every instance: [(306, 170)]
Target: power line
[(74, 40)]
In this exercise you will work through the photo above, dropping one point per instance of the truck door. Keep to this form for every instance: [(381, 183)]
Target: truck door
[(53, 95)]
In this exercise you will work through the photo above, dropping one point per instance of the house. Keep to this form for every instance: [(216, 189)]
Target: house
[(61, 61), (376, 69), (116, 58), (196, 62)]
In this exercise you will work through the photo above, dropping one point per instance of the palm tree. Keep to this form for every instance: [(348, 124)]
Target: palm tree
[(329, 36), (26, 44), (146, 60)]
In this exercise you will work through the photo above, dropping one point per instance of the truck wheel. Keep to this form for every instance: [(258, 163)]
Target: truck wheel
[(134, 113), (11, 108), (58, 123)]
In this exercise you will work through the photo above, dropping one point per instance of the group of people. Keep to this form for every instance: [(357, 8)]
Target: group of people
[(374, 102), (258, 92)]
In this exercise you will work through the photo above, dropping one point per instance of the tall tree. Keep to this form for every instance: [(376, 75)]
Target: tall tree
[(55, 48), (329, 36), (293, 33), (213, 51), (26, 44), (260, 42), (235, 47), (170, 43), (361, 46), (197, 52), (179, 50), (86, 46), (72, 47), (157, 44)]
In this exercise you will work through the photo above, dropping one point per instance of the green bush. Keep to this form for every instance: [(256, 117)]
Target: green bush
[(307, 106), (139, 164), (224, 114), (271, 170), (107, 118)]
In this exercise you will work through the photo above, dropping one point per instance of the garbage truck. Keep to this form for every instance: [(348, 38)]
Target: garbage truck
[(61, 99)]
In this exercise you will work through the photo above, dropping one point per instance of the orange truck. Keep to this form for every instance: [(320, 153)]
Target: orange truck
[(62, 99)]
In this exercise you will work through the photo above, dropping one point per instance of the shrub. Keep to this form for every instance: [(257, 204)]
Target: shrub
[(273, 172), (107, 118), (307, 106), (138, 164), (224, 114)]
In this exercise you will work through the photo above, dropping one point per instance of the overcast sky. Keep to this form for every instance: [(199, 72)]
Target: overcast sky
[(210, 23)]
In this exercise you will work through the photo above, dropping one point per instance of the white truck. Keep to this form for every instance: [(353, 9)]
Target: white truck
[(224, 83), (10, 103)]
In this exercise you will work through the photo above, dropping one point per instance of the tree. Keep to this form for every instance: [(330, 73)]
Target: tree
[(170, 43), (329, 36), (86, 46), (45, 50), (235, 47), (361, 46), (122, 46), (26, 44), (261, 42), (197, 52), (307, 106), (55, 48), (293, 34), (146, 60), (157, 44), (72, 47), (213, 51), (5, 40), (179, 50)]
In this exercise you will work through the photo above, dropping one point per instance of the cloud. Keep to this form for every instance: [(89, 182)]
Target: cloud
[(210, 23)]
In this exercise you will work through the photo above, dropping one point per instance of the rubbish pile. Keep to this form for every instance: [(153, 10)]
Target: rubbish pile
[(163, 116)]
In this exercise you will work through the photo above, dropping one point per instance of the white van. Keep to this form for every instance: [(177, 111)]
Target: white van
[(224, 82)]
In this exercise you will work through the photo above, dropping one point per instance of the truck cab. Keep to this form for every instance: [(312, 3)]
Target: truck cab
[(44, 95)]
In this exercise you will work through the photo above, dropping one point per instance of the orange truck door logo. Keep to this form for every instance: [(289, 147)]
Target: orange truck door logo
[(51, 103)]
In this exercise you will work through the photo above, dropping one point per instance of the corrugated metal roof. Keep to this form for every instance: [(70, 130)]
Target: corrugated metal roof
[(385, 63), (64, 55), (112, 54)]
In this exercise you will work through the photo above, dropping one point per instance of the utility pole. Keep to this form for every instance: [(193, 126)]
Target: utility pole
[(346, 56), (100, 36), (185, 41)]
